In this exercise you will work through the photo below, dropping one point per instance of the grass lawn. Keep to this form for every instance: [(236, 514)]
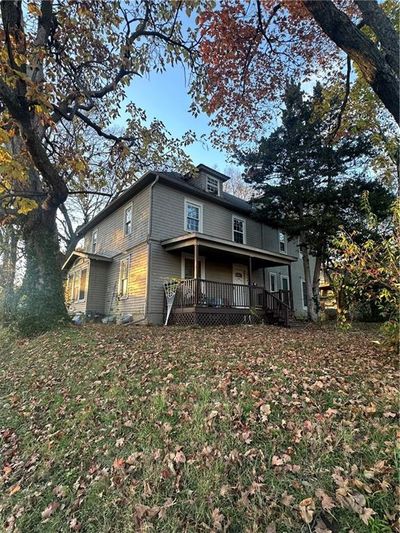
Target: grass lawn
[(123, 429)]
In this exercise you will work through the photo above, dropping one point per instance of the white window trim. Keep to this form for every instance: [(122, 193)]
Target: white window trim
[(184, 256), (302, 280), (128, 207), (86, 284), (126, 296), (200, 206), (218, 185), (273, 275), (94, 232), (74, 279), (288, 282), (234, 217), (284, 241)]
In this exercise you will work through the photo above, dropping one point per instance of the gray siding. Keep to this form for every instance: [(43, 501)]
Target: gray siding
[(169, 211), (110, 231), (97, 286), (135, 302)]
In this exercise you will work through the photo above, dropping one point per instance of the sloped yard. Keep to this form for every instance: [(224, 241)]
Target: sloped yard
[(108, 428)]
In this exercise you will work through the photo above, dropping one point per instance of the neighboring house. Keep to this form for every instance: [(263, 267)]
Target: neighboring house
[(151, 234)]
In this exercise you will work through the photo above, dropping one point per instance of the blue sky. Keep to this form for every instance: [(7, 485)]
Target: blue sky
[(164, 96)]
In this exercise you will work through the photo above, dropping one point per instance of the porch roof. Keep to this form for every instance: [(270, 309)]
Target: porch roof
[(236, 250), (78, 253)]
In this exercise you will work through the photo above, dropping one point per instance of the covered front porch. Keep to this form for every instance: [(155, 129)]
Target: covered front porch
[(224, 282)]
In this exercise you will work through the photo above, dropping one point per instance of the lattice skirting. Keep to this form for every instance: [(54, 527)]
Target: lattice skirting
[(223, 317)]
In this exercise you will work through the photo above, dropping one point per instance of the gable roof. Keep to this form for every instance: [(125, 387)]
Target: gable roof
[(175, 180), (79, 253)]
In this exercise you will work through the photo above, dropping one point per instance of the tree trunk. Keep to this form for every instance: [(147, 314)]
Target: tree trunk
[(312, 311), (315, 285), (7, 276), (41, 305), (373, 63)]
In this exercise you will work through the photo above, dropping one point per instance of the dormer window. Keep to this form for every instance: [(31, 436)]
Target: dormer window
[(212, 185)]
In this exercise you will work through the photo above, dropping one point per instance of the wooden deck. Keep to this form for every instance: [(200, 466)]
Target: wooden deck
[(204, 302)]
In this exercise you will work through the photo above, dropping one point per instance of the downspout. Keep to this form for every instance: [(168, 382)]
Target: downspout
[(150, 231)]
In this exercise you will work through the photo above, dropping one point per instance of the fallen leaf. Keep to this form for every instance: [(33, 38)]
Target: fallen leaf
[(53, 506), (307, 508), (14, 489)]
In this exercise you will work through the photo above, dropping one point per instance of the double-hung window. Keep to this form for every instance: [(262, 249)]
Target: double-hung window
[(193, 217), (94, 241), (123, 277), (82, 284), (75, 291), (272, 282), (304, 293), (128, 220), (212, 185), (239, 230), (282, 242)]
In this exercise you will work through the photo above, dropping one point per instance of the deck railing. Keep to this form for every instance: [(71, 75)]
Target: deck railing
[(206, 293), (201, 292), (285, 296)]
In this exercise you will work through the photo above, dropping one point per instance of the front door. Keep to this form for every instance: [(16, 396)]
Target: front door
[(241, 295)]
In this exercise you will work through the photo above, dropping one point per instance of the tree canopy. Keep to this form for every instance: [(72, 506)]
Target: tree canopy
[(251, 48)]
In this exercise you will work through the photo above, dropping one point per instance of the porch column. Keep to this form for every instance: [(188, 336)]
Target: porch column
[(290, 285), (250, 282), (196, 271), (195, 261)]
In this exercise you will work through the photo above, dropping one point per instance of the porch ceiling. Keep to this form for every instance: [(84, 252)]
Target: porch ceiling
[(223, 248)]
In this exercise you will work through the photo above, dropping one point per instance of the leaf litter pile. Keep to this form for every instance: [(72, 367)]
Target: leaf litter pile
[(252, 428)]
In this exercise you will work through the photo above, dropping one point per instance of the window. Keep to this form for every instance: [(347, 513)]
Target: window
[(304, 293), (70, 288), (75, 291), (94, 241), (272, 281), (123, 277), (128, 221), (282, 242), (193, 217), (238, 230), (82, 284), (285, 283), (188, 267), (212, 185)]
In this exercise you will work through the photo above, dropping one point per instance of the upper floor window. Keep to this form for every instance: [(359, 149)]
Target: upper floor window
[(94, 241), (128, 220), (123, 277), (193, 216), (239, 230), (212, 185), (282, 242)]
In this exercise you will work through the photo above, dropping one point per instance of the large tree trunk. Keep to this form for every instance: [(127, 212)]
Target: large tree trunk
[(312, 309), (379, 67), (41, 305), (8, 273)]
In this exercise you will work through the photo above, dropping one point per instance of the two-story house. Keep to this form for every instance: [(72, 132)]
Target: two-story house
[(167, 226)]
